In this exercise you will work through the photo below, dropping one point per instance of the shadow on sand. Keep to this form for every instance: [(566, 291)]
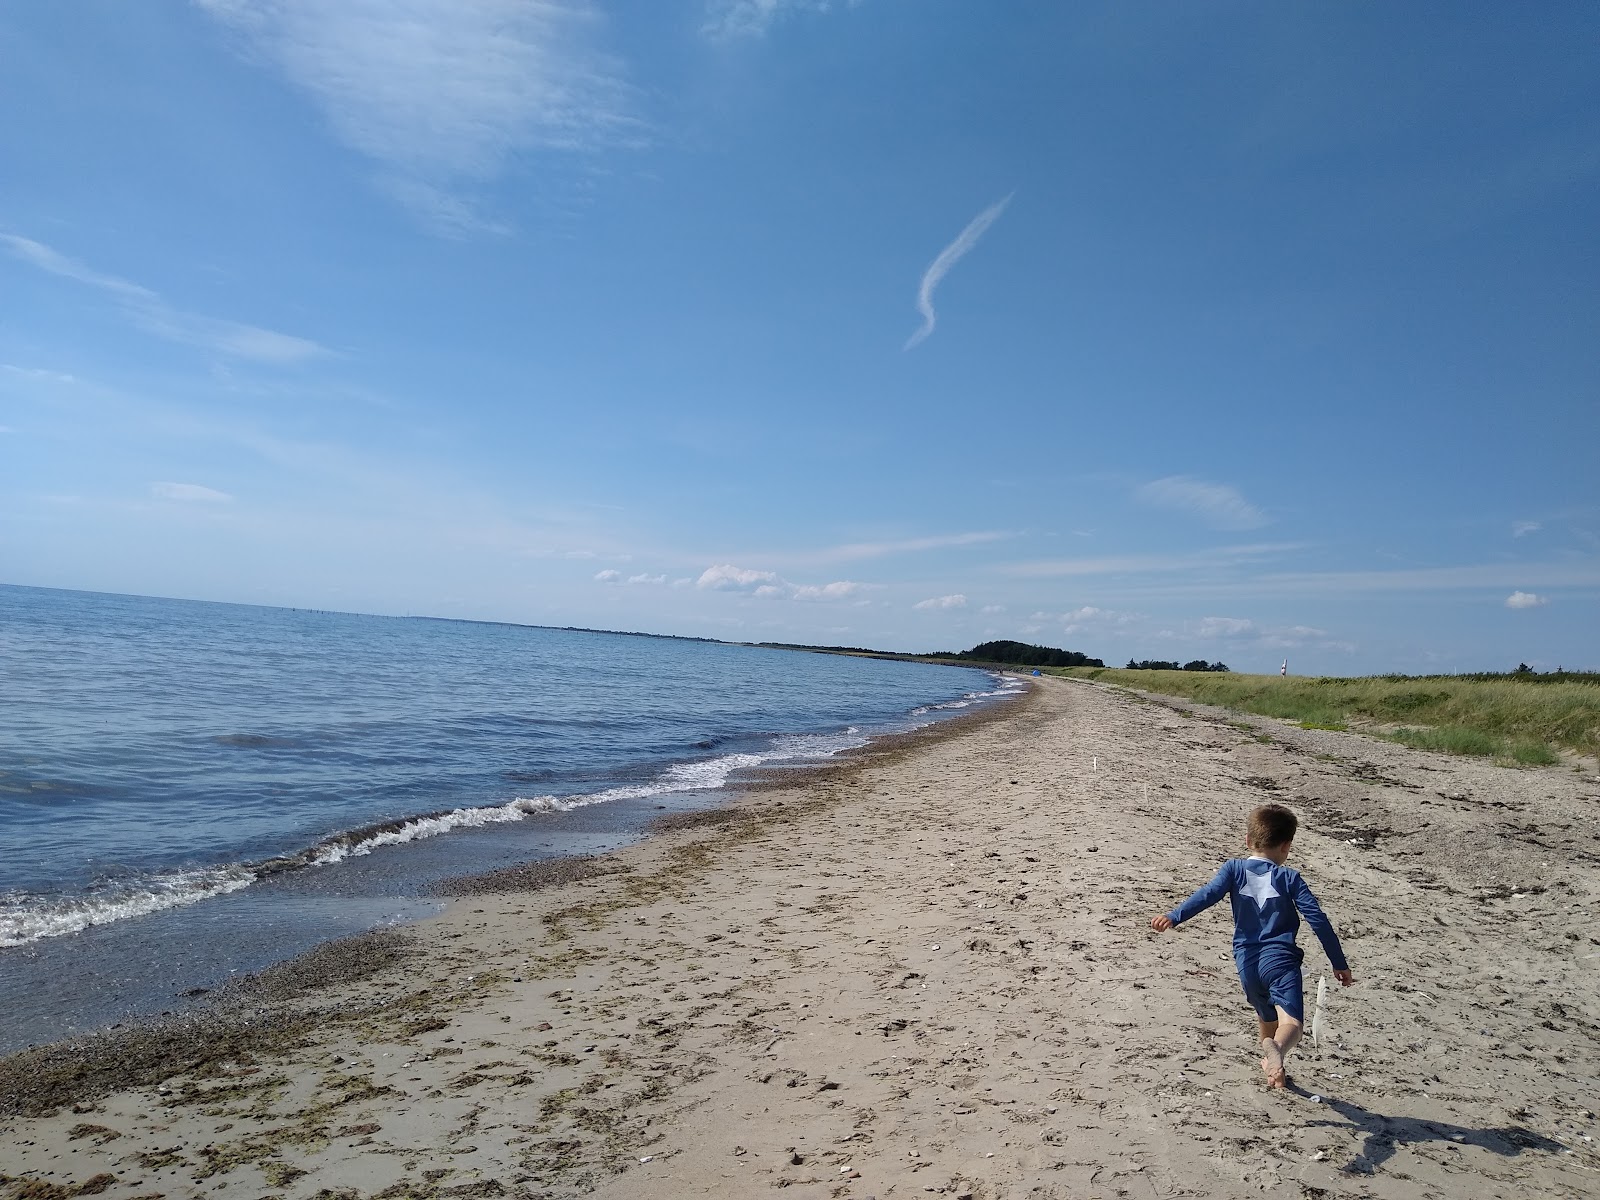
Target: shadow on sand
[(1384, 1134)]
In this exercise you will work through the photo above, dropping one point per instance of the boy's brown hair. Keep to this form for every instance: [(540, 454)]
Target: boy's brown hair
[(1271, 826)]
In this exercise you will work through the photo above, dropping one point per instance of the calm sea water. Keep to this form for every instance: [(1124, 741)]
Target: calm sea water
[(176, 773)]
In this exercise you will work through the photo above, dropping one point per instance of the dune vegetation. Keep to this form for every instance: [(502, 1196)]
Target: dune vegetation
[(1520, 717)]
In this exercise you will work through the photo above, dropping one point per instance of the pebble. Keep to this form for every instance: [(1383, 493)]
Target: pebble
[(647, 1158), (1316, 1099)]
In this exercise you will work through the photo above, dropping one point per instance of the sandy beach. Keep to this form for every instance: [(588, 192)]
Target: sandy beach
[(924, 970)]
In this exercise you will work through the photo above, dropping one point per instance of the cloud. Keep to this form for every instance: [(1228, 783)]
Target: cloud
[(189, 492), (146, 309), (727, 19), (1523, 528), (766, 585), (1526, 600), (644, 578), (827, 591), (1224, 627), (728, 577), (1247, 634), (1217, 504), (39, 373), (948, 257), (993, 608), (857, 550), (608, 576), (442, 94), (1139, 564), (956, 600)]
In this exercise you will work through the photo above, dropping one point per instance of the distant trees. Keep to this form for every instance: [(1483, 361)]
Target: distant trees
[(1157, 664), (1023, 654)]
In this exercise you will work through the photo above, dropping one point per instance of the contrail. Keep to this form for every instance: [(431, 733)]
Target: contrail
[(948, 257)]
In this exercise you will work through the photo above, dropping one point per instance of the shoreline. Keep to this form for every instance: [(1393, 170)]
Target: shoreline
[(230, 1022), (923, 969)]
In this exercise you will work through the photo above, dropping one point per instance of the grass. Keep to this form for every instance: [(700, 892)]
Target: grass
[(1521, 719)]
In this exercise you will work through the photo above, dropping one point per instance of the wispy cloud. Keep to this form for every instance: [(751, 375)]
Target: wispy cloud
[(1217, 504), (442, 94), (1526, 600), (1223, 627), (1242, 633), (858, 550), (1085, 617), (42, 374), (752, 18), (948, 257), (765, 585), (608, 576), (189, 493), (1524, 528), (1141, 564), (146, 309), (955, 600)]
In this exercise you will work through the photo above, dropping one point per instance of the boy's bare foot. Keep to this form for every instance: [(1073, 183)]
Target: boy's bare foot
[(1272, 1063)]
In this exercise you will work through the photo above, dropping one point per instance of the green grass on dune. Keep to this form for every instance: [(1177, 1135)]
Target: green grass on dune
[(1524, 720)]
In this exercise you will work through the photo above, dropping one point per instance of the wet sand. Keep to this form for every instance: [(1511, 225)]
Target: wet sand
[(926, 970)]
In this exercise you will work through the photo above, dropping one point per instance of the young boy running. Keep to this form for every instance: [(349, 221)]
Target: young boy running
[(1268, 901)]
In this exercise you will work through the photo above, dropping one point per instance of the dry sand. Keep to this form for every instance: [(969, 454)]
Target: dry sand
[(927, 971)]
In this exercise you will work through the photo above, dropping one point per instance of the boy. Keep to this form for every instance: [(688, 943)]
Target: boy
[(1268, 901)]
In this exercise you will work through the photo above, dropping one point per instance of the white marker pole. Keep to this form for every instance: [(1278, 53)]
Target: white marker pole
[(1317, 1013)]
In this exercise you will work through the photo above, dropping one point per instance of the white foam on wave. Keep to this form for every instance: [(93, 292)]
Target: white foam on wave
[(705, 775), (1008, 687), (28, 919)]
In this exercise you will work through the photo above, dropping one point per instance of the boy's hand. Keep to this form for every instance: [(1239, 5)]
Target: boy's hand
[(1345, 977), (1163, 923)]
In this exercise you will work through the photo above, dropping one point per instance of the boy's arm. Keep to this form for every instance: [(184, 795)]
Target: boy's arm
[(1205, 897), (1320, 925)]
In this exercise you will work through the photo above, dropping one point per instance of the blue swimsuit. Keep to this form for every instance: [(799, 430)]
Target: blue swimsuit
[(1268, 902)]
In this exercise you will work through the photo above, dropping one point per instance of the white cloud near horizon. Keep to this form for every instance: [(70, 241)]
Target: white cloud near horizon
[(1526, 600), (608, 576), (646, 579), (1245, 633), (948, 257), (1217, 504), (955, 600), (189, 493), (766, 585), (146, 309), (443, 94)]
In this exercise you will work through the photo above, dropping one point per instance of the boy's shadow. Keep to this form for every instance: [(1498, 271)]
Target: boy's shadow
[(1384, 1134)]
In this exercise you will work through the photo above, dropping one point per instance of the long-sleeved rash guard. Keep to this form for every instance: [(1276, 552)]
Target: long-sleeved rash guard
[(1268, 902)]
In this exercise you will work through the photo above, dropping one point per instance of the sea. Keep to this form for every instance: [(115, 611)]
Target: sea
[(190, 791)]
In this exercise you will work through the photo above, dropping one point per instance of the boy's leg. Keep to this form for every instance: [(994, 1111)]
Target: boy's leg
[(1271, 1052), (1288, 998), (1285, 1037)]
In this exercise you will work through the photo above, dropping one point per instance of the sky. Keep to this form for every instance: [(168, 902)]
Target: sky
[(1249, 332)]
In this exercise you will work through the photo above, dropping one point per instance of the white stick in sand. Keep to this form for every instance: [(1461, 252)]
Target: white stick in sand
[(1317, 1013)]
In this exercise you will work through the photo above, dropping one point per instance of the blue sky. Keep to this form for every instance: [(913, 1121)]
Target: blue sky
[(1228, 330)]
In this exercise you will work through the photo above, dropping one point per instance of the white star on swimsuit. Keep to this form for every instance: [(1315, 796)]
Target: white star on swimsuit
[(1259, 887)]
